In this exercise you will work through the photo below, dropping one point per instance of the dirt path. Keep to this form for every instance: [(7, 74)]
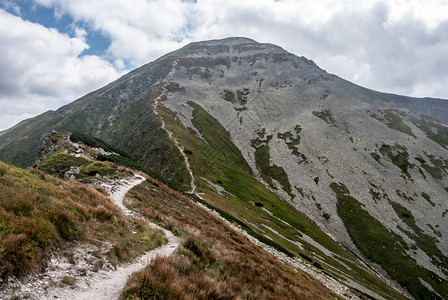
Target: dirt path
[(170, 134), (106, 284), (109, 285)]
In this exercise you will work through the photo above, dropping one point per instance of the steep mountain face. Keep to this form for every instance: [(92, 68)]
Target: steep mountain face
[(274, 141)]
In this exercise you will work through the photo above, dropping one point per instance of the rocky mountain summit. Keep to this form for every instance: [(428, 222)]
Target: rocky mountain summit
[(305, 161)]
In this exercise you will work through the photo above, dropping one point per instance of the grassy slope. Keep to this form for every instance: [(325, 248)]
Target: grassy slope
[(386, 248), (138, 132), (267, 170), (91, 114), (22, 151), (214, 261), (40, 214), (428, 124), (243, 190), (393, 120)]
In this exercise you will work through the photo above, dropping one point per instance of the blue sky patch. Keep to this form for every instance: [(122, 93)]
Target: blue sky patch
[(46, 16)]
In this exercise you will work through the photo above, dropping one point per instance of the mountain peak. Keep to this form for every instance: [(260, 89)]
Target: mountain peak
[(231, 41), (272, 140), (226, 46)]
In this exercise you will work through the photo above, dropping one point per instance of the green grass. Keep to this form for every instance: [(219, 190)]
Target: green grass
[(243, 190), (97, 167), (423, 241), (433, 129), (428, 198), (435, 172), (58, 163), (386, 248), (240, 100), (217, 137), (138, 132), (399, 156), (229, 96), (377, 192), (242, 96), (325, 115), (403, 196), (291, 141), (376, 156), (263, 162), (269, 172), (439, 169), (393, 120)]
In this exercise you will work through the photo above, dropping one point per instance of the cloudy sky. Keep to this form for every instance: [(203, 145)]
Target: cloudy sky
[(54, 51)]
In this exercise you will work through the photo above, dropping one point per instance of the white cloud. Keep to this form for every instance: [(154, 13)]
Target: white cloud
[(11, 6), (395, 46), (41, 69), (383, 44), (139, 30)]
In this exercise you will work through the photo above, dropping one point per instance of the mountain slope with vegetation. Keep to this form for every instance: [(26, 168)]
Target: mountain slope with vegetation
[(291, 153), (57, 216), (43, 216), (214, 262)]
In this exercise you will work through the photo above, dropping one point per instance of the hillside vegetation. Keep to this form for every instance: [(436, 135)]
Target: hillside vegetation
[(246, 201), (41, 215), (214, 261), (270, 139)]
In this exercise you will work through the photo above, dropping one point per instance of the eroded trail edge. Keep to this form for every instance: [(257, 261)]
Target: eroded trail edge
[(108, 284)]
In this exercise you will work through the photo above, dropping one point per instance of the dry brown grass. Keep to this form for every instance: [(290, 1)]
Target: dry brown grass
[(40, 214), (214, 261)]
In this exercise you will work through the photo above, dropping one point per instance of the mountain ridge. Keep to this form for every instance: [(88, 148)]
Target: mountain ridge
[(318, 142)]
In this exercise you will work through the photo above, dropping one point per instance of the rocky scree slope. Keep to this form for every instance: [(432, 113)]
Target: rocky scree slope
[(349, 158), (366, 167)]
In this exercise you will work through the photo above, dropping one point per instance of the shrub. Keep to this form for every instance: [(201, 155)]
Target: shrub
[(117, 253), (102, 213), (148, 291), (97, 167), (59, 163), (20, 204), (18, 255), (69, 280), (65, 224), (3, 169)]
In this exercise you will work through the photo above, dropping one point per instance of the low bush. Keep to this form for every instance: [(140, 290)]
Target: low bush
[(58, 163), (97, 167), (3, 169), (68, 280)]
